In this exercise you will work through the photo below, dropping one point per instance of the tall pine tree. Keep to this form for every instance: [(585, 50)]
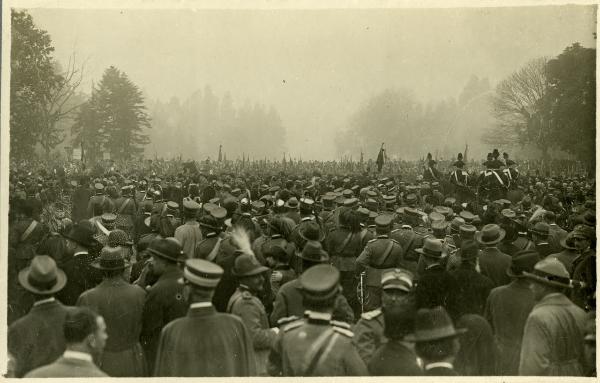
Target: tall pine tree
[(114, 119)]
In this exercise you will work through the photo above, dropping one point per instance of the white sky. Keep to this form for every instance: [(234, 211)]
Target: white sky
[(331, 60)]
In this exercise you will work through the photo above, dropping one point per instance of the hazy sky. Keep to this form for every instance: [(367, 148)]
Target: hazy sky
[(331, 60)]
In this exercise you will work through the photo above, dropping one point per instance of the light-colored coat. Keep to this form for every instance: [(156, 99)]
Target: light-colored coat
[(552, 341)]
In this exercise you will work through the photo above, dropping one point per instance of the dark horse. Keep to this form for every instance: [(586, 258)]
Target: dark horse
[(492, 184)]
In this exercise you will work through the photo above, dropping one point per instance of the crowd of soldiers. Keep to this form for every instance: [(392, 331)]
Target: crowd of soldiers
[(206, 273)]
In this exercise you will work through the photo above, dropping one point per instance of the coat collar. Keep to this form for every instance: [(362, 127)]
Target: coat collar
[(202, 311), (554, 299)]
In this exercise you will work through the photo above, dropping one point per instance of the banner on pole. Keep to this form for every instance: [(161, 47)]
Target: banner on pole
[(77, 154), (106, 156)]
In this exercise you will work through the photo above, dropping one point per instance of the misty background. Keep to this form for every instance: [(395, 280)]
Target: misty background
[(315, 84)]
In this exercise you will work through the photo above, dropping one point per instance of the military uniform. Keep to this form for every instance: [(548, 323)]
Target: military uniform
[(252, 312), (316, 346), (208, 248), (368, 334), (379, 254), (344, 247)]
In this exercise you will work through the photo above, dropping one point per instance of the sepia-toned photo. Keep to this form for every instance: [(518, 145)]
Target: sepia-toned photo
[(270, 189)]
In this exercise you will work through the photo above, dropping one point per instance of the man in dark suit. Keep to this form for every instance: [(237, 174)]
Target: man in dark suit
[(164, 301), (80, 277), (436, 341), (492, 262), (204, 343), (507, 309), (472, 288), (80, 199), (85, 334), (540, 235), (37, 338), (121, 306)]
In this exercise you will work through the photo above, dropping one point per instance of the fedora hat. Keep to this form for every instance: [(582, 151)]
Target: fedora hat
[(456, 223), (111, 258), (433, 324), (432, 247), (550, 272), (541, 229), (42, 276), (490, 234), (567, 242), (313, 252), (292, 203), (81, 234), (167, 248), (247, 265), (311, 232), (522, 261)]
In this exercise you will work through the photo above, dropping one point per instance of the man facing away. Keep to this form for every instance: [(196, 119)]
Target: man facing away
[(85, 334)]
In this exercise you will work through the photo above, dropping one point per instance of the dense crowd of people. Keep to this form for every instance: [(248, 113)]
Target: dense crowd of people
[(177, 269)]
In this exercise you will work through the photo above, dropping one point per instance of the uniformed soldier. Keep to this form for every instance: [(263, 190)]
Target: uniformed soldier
[(316, 346), (247, 305), (288, 301), (306, 218), (326, 215), (379, 254), (396, 284), (222, 339), (104, 227), (99, 203), (344, 244), (126, 209), (189, 234)]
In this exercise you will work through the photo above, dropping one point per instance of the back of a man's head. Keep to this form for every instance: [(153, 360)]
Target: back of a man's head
[(79, 324), (399, 319)]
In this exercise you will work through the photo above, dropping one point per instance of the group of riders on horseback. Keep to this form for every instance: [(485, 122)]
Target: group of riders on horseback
[(499, 177)]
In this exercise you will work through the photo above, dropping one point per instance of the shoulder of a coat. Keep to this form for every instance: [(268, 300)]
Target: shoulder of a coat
[(293, 325), (370, 315), (337, 323), (373, 240), (286, 320), (343, 331)]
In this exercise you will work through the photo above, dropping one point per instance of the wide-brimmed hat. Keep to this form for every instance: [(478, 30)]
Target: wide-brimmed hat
[(541, 229), (522, 261), (583, 231), (433, 324), (42, 276), (82, 235), (456, 223), (432, 247), (551, 272), (111, 258), (167, 248), (247, 265), (490, 234), (311, 231), (567, 242), (313, 252)]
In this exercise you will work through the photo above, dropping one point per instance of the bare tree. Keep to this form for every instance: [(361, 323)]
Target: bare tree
[(518, 107), (59, 104)]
